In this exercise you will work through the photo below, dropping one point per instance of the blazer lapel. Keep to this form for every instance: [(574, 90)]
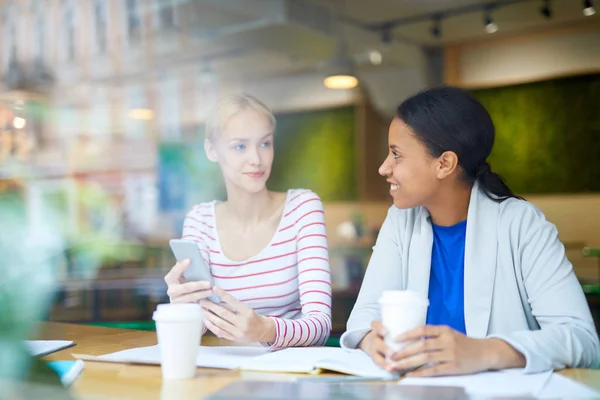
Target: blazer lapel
[(481, 246), (419, 256)]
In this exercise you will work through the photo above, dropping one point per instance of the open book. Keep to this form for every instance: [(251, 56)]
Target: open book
[(313, 360), (307, 360)]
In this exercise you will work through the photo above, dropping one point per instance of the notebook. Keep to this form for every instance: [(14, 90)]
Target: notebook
[(305, 360), (67, 370), (313, 360), (39, 348)]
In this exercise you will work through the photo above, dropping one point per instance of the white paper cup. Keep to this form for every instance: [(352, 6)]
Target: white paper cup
[(179, 329), (401, 311)]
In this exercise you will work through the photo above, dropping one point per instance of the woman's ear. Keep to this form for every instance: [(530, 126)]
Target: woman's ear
[(210, 151), (447, 164)]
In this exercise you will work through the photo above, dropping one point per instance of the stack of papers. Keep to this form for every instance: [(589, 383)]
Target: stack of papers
[(39, 348), (292, 360), (511, 382), (311, 360), (226, 357)]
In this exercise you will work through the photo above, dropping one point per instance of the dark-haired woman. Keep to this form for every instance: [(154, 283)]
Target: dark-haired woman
[(501, 292)]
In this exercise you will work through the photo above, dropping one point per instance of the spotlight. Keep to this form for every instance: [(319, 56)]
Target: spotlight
[(490, 25), (375, 57), (340, 81), (386, 35), (436, 28), (588, 8), (545, 10)]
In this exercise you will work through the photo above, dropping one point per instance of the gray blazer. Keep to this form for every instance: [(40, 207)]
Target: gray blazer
[(519, 285)]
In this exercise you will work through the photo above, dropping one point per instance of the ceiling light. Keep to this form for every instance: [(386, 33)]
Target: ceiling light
[(375, 57), (490, 25), (19, 123), (140, 113), (340, 72), (436, 28), (588, 8), (488, 22), (386, 35), (340, 81)]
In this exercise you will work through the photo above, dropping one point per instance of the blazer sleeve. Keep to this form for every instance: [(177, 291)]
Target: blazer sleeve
[(567, 336), (383, 273)]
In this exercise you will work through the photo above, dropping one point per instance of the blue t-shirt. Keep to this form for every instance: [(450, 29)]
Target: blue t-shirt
[(446, 279)]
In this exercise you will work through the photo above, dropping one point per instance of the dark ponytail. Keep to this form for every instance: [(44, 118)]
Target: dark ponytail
[(450, 119)]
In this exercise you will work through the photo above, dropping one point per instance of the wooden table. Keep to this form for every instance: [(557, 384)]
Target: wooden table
[(122, 381)]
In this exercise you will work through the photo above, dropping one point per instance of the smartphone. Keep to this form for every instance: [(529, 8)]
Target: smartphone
[(198, 270)]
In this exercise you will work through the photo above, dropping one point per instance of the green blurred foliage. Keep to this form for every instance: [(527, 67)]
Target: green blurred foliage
[(317, 150), (547, 134)]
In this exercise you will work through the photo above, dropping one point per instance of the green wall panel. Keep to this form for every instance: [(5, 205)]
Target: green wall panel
[(547, 134), (317, 150)]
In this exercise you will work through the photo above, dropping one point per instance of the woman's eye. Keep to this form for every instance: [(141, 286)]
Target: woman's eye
[(240, 147), (266, 144), (396, 155)]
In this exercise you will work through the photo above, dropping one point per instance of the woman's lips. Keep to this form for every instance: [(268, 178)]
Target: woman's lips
[(255, 175)]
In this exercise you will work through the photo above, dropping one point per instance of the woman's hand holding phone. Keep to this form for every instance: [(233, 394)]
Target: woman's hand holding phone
[(237, 321), (180, 290)]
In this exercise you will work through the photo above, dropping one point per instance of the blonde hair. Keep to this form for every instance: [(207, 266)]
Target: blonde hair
[(230, 105)]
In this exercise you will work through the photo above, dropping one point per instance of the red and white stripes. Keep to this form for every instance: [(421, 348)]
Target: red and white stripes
[(289, 280)]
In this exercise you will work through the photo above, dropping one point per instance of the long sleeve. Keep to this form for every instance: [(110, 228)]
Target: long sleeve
[(194, 229), (314, 278), (567, 336), (383, 273)]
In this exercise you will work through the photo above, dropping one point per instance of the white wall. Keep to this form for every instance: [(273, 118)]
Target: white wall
[(531, 58)]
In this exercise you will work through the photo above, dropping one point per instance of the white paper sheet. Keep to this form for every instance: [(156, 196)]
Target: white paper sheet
[(307, 359), (227, 357), (355, 362), (561, 387), (39, 348), (299, 360), (510, 382)]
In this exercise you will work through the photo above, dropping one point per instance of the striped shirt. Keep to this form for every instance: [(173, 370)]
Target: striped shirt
[(288, 281)]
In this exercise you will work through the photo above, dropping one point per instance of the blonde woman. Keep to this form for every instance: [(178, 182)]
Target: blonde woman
[(267, 251)]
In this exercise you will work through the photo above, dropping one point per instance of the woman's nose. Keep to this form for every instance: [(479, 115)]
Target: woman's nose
[(384, 169), (254, 158)]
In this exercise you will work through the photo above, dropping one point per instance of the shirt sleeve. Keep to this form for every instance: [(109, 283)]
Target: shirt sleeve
[(567, 336), (383, 273), (194, 229), (314, 280)]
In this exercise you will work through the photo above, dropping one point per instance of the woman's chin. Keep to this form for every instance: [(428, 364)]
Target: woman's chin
[(253, 187), (402, 203)]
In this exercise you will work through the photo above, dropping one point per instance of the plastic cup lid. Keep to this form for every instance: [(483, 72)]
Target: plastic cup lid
[(177, 312), (403, 297)]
